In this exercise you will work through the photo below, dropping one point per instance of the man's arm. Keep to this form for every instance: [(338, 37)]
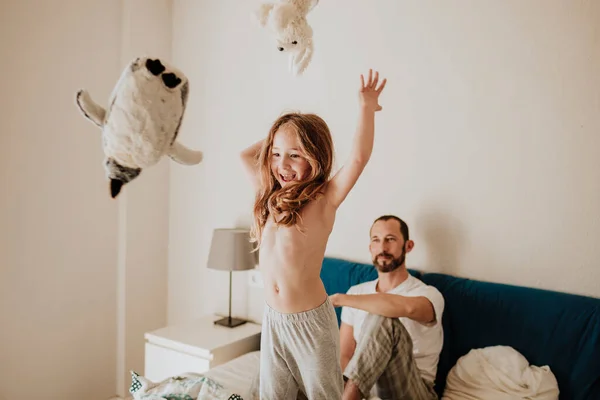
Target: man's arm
[(250, 160), (347, 344), (418, 308)]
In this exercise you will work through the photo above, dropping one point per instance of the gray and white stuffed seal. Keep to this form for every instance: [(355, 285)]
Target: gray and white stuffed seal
[(144, 115)]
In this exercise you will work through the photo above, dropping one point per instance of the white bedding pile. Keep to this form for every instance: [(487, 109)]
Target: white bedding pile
[(499, 373)]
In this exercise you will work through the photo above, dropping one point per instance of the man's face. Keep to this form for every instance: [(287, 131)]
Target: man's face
[(388, 248)]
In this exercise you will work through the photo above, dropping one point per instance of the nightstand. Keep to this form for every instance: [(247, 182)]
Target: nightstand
[(196, 346)]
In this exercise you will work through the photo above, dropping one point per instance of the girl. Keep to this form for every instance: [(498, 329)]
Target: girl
[(294, 213)]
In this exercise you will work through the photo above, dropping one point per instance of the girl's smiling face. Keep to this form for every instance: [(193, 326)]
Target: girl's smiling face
[(288, 163)]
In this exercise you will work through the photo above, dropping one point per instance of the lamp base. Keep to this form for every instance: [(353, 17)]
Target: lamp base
[(230, 322)]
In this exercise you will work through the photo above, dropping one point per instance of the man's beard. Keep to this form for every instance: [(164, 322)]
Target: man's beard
[(391, 265)]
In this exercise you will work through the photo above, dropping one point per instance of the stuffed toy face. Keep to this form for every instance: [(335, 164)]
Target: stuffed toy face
[(294, 37), (287, 22), (145, 70)]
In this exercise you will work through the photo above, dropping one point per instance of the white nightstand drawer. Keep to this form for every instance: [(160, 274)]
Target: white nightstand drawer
[(162, 363)]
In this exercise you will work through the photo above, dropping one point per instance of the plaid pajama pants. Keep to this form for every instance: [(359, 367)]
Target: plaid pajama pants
[(383, 359)]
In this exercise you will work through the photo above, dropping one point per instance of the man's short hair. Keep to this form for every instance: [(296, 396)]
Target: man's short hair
[(403, 225)]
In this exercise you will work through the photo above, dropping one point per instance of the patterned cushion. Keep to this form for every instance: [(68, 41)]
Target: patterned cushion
[(188, 386)]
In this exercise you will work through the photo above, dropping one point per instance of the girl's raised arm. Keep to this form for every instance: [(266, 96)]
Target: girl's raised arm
[(346, 177), (249, 158)]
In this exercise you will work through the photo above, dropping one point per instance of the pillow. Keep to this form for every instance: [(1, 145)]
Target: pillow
[(499, 373), (189, 386)]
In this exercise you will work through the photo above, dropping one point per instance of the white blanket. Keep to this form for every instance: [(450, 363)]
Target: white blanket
[(499, 373)]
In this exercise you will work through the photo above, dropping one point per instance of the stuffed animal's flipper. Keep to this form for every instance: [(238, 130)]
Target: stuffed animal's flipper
[(119, 175), (115, 187), (90, 109), (302, 59), (184, 155)]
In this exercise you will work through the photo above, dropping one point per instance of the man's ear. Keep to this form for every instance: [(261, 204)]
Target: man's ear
[(409, 245)]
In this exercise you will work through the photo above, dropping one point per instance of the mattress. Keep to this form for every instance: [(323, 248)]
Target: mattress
[(239, 375)]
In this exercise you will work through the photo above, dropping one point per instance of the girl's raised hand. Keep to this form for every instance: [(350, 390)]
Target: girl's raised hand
[(369, 92)]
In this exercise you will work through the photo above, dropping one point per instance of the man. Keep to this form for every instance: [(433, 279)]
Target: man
[(391, 333)]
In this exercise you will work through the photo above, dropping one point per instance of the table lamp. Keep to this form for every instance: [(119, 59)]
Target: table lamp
[(231, 250)]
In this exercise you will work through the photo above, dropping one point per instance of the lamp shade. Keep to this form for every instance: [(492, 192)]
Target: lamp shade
[(231, 250)]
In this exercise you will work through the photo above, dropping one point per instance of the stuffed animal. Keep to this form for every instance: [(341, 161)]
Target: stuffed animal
[(286, 19), (145, 111)]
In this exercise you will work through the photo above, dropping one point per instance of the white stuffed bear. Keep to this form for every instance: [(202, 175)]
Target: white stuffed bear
[(141, 124), (286, 19)]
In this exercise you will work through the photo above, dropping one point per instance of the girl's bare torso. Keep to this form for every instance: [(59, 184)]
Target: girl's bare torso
[(291, 258)]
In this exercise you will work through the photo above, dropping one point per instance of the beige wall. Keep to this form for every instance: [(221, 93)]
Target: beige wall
[(58, 246), (82, 276), (488, 143), (144, 210)]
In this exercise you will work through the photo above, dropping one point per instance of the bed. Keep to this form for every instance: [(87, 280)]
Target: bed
[(236, 379), (239, 375), (564, 329)]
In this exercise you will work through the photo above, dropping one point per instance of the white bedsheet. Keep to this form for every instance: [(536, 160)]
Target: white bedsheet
[(238, 374)]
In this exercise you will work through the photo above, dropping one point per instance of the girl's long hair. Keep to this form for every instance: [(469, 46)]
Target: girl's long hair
[(285, 204)]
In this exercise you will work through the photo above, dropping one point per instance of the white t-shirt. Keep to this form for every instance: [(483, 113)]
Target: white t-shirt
[(427, 339)]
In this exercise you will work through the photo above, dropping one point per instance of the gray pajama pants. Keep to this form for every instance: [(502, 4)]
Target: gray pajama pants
[(300, 355)]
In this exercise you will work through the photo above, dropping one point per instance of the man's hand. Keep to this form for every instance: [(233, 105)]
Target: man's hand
[(337, 299)]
